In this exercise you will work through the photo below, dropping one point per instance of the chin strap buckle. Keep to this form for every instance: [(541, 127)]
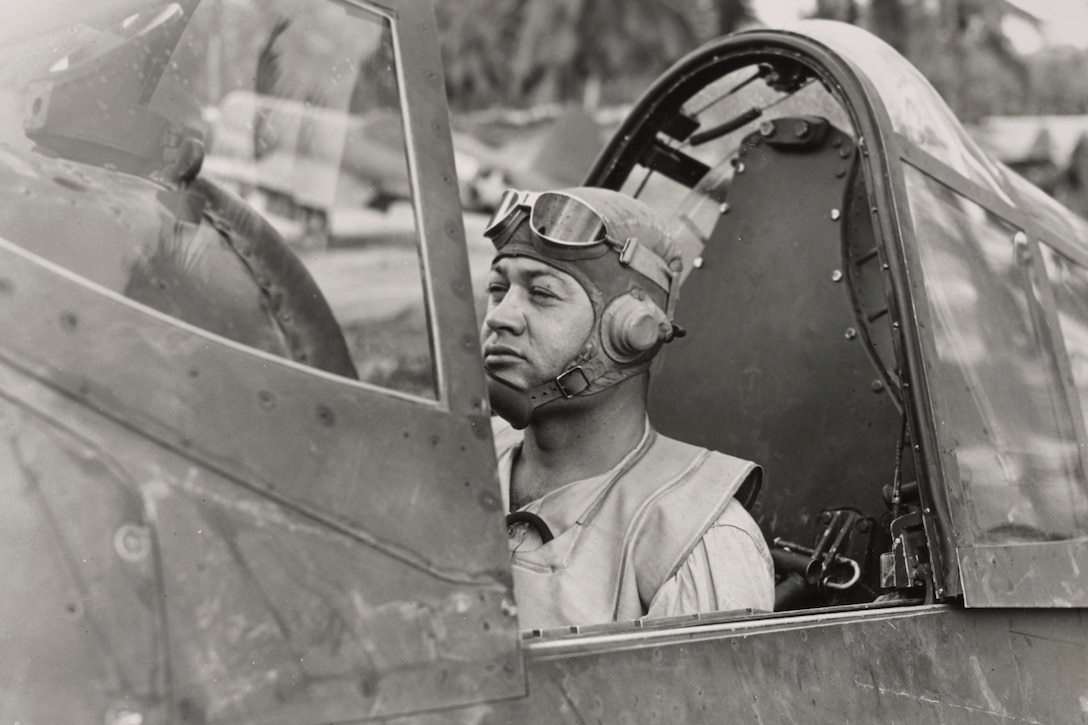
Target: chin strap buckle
[(572, 382)]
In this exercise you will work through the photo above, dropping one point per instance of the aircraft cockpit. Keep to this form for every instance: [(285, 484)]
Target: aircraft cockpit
[(793, 181), (246, 453)]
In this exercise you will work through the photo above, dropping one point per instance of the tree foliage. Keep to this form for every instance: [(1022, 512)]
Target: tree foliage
[(521, 52), (518, 53), (959, 45)]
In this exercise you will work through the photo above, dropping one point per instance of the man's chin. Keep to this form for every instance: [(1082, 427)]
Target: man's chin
[(506, 372)]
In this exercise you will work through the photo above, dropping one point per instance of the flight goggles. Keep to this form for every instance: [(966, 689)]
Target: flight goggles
[(567, 228)]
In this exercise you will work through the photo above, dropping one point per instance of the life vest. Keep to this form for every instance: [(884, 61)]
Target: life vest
[(654, 510)]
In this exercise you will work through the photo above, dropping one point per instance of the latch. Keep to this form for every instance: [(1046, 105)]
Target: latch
[(906, 566)]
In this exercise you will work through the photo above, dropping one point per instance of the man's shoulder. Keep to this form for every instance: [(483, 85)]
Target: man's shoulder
[(717, 459), (735, 516), (722, 465)]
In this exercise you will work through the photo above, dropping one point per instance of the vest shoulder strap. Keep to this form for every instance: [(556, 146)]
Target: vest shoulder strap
[(680, 513)]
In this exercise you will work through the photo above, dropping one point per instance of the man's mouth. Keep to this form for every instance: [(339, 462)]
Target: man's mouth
[(501, 352)]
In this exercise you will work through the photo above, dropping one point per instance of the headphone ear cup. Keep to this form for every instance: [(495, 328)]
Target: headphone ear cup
[(632, 326)]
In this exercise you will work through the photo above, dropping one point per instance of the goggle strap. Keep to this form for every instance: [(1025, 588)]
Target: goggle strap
[(649, 265)]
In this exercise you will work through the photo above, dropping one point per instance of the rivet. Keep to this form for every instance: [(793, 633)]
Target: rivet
[(885, 266), (844, 152), (325, 415), (766, 128), (801, 129), (836, 142), (697, 263), (74, 610), (841, 172), (266, 399), (851, 333), (928, 510), (132, 542), (740, 168), (877, 386), (835, 214), (895, 325), (723, 208), (836, 275)]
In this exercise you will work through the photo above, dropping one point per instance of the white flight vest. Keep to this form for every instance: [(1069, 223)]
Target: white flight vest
[(609, 565)]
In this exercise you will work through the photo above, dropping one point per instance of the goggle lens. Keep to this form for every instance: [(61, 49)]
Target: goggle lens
[(509, 203), (556, 218), (566, 221)]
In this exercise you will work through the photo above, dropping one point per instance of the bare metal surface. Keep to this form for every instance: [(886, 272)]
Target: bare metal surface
[(317, 549), (914, 665), (245, 608)]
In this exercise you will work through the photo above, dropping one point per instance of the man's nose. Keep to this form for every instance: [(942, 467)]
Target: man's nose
[(506, 314)]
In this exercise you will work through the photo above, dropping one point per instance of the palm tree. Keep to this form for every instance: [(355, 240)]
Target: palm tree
[(531, 52), (960, 46)]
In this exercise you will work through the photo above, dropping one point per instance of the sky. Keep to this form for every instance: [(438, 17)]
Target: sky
[(1064, 21)]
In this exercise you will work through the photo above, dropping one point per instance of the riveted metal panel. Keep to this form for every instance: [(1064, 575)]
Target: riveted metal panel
[(934, 664), (360, 527), (309, 548)]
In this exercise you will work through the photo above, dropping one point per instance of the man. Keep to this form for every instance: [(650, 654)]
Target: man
[(610, 521)]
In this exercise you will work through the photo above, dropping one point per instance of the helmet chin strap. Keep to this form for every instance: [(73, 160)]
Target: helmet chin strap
[(517, 406)]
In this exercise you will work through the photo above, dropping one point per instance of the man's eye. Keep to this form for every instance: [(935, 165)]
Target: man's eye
[(496, 290), (543, 292)]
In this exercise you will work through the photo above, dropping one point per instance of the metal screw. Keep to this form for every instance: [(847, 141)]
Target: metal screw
[(132, 542), (697, 263), (851, 333), (836, 276), (835, 214)]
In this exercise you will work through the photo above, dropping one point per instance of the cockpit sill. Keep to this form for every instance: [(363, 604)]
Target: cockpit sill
[(542, 644)]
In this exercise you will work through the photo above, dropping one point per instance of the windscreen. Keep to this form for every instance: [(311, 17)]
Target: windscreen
[(148, 146)]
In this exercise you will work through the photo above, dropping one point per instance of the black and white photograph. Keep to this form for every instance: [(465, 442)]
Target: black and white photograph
[(495, 362)]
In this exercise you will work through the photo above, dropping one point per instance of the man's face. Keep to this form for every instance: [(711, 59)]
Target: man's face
[(537, 320)]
